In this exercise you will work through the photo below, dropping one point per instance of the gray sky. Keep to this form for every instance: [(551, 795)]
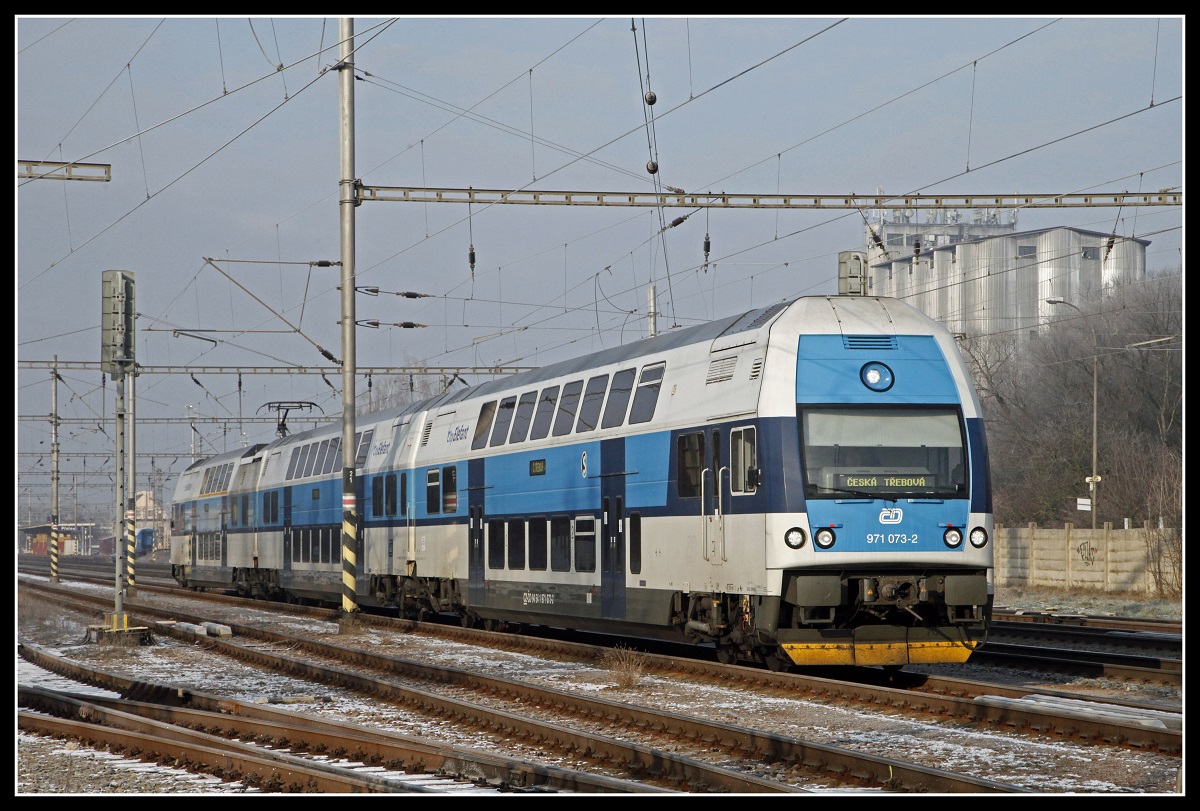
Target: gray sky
[(216, 153)]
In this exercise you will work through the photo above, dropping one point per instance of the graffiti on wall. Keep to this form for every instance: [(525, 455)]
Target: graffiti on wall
[(1087, 552)]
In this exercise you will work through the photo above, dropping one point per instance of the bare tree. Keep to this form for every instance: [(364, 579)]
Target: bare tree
[(1037, 397)]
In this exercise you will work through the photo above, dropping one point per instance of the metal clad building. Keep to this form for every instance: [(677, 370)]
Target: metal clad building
[(986, 278)]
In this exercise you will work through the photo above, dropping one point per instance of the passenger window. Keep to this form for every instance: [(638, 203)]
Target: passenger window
[(319, 465), (516, 544), (363, 447), (520, 426), (503, 420), (646, 396), (593, 399), (495, 544), (389, 495), (618, 398), (560, 544), (484, 425), (311, 460), (565, 421), (537, 544), (690, 455), (333, 456), (377, 496), (743, 458), (545, 410), (292, 464)]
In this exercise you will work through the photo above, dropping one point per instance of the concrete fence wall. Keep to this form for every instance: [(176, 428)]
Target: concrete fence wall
[(1143, 559)]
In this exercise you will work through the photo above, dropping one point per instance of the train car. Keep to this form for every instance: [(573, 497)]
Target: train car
[(806, 483), (142, 546)]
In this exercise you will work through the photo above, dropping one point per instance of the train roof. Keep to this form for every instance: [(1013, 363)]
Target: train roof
[(641, 348), (699, 333), (238, 453), (664, 342)]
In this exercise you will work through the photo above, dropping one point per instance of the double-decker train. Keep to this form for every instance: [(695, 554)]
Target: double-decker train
[(803, 483)]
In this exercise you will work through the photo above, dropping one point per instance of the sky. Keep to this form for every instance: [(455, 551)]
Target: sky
[(225, 144)]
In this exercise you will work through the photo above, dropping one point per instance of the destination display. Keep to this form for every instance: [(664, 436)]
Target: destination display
[(885, 481)]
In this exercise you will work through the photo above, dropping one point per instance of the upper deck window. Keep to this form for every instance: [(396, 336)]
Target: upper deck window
[(484, 425), (503, 419), (646, 396), (593, 400), (520, 427), (618, 398), (566, 408), (545, 410)]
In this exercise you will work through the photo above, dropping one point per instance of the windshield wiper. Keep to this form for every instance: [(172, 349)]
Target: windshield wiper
[(856, 493)]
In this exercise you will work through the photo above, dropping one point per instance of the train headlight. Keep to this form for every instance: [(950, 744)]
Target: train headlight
[(979, 537), (824, 537), (876, 376), (952, 538), (795, 538)]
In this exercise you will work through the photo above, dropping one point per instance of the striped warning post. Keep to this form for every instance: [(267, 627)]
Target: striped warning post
[(130, 549), (54, 552), (349, 542)]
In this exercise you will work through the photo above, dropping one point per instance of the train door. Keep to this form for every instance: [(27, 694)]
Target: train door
[(612, 528), (714, 500), (287, 529), (224, 534), (401, 530), (475, 532), (193, 537)]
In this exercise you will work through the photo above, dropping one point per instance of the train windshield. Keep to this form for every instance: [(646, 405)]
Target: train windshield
[(883, 452)]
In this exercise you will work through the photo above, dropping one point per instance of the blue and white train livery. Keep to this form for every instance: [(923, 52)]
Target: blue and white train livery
[(803, 483)]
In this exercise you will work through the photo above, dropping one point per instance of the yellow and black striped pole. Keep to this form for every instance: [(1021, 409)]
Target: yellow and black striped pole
[(349, 541), (130, 553), (54, 550)]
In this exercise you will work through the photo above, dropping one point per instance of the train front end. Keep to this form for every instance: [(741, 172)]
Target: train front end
[(890, 560)]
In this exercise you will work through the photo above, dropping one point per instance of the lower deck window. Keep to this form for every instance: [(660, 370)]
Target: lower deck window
[(560, 544), (537, 544), (516, 544), (495, 544), (315, 544)]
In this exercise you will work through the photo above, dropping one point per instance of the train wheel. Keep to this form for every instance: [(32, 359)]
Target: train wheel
[(469, 620), (727, 654)]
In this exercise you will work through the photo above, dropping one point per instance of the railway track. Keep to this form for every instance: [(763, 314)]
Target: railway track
[(380, 674), (1103, 623), (1151, 658), (129, 727), (1128, 723), (161, 723)]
